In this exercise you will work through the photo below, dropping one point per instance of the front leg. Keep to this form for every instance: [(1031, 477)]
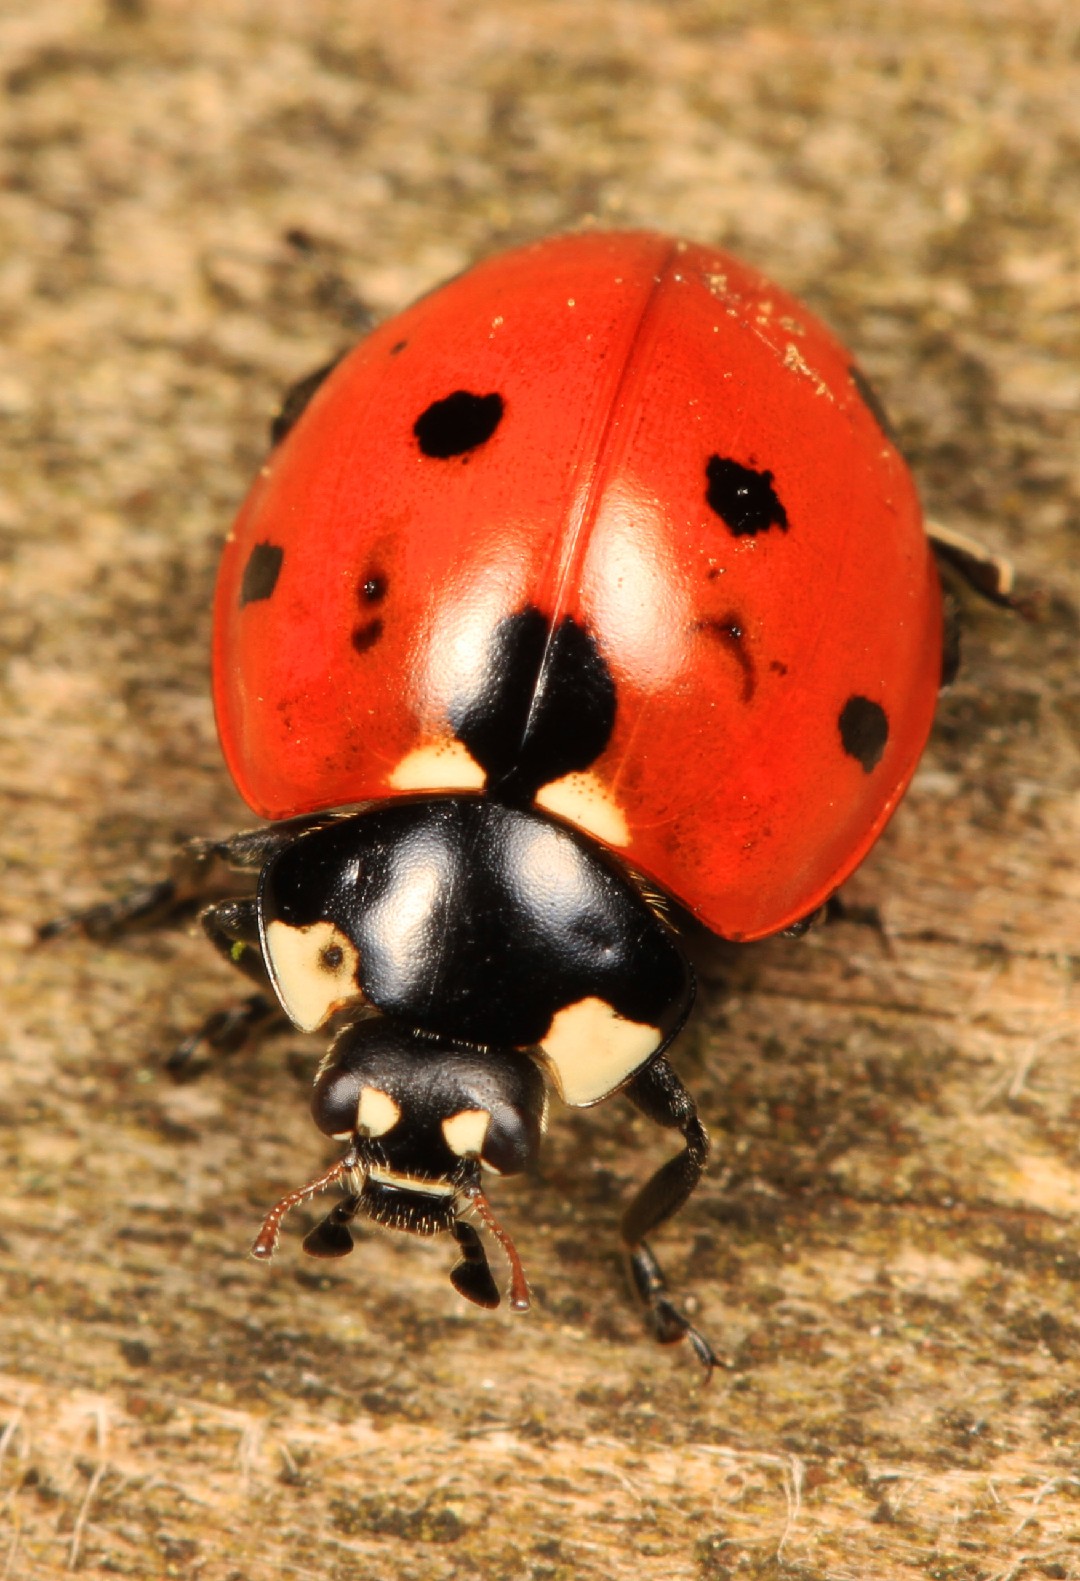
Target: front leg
[(659, 1094), (232, 926)]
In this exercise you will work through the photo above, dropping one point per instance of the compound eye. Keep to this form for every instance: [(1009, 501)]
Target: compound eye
[(344, 1104), (512, 1140), (315, 970), (506, 1136), (504, 1140)]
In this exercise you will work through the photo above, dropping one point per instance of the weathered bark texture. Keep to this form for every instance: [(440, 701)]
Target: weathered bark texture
[(199, 203)]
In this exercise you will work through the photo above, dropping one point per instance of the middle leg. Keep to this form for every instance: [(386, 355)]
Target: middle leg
[(659, 1094)]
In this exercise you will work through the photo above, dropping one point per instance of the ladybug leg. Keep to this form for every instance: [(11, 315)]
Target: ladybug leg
[(332, 1237), (837, 909), (952, 641), (660, 1095), (232, 926), (225, 1031), (198, 867), (471, 1275), (136, 908), (296, 399), (989, 575)]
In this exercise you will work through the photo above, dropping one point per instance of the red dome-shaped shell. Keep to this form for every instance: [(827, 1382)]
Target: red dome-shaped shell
[(651, 439)]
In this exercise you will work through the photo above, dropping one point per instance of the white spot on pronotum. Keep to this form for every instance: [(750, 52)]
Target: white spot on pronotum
[(315, 971), (591, 1050), (584, 801), (439, 766), (376, 1113), (465, 1132)]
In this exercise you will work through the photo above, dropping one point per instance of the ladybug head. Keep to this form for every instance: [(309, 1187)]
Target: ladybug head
[(421, 1117)]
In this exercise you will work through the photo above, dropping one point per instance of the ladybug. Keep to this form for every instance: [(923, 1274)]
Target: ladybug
[(589, 593)]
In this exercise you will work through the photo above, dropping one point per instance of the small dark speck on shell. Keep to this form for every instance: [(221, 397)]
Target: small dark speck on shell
[(367, 635), (373, 587), (728, 630)]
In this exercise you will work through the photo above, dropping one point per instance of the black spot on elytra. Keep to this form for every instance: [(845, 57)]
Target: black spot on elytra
[(872, 401), (545, 707), (373, 588), (398, 347), (261, 573), (744, 500), (777, 668), (864, 730), (296, 400), (367, 635), (457, 424), (728, 631)]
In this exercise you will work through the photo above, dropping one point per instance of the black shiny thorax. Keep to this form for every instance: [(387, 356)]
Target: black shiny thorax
[(480, 921)]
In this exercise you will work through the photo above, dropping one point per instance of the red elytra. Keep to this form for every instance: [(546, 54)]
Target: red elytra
[(686, 464)]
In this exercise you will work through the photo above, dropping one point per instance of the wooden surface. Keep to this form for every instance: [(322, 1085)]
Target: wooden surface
[(199, 201)]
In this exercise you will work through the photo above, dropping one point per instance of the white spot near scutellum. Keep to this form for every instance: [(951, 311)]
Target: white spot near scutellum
[(439, 766), (591, 1050), (377, 1112), (466, 1131), (585, 802), (315, 971)]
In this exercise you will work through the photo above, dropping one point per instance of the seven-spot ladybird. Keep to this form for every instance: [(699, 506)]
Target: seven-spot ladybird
[(591, 582)]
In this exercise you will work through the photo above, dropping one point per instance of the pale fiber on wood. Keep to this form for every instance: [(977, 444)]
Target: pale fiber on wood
[(198, 204)]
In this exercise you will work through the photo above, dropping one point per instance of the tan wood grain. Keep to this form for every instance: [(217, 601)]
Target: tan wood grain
[(198, 202)]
